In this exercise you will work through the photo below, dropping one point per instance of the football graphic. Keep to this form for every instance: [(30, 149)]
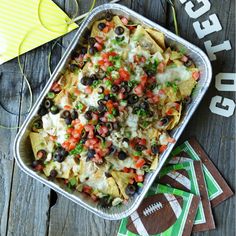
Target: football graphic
[(156, 214)]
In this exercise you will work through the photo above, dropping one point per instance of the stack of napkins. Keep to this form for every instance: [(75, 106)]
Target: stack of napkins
[(182, 199)]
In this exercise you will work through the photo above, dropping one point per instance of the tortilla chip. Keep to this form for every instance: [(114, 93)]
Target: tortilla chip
[(158, 37), (146, 41), (122, 179), (38, 142), (62, 99), (112, 188), (186, 87), (175, 118), (172, 95), (154, 163), (95, 31)]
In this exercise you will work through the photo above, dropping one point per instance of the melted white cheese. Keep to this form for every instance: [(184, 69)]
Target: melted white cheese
[(172, 74), (54, 125)]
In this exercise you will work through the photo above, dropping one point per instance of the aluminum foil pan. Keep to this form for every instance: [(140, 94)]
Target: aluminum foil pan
[(22, 148)]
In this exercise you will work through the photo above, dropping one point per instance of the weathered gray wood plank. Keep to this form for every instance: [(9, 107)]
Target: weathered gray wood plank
[(9, 98)]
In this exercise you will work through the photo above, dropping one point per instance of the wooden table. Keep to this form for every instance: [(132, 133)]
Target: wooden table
[(28, 208)]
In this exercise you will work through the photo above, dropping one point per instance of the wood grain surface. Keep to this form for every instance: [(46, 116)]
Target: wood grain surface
[(28, 208)]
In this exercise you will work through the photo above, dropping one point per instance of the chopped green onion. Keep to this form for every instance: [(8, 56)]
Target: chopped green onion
[(108, 83), (51, 95), (78, 149)]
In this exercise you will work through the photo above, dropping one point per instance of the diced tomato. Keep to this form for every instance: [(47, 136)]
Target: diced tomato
[(109, 105), (76, 91), (124, 20), (149, 151), (176, 105), (162, 148), (143, 80), (124, 74), (88, 90), (139, 59), (69, 145), (76, 133), (140, 163), (106, 30), (126, 169), (132, 143), (103, 130), (110, 24), (161, 92), (87, 189), (90, 130), (169, 112), (139, 90), (98, 46), (94, 117), (196, 75), (91, 142), (99, 39), (161, 67), (73, 140), (103, 119), (149, 93), (155, 99), (139, 178), (136, 158), (67, 107), (142, 141), (131, 181), (56, 87)]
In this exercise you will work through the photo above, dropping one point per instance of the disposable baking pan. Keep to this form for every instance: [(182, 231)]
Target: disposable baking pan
[(22, 148)]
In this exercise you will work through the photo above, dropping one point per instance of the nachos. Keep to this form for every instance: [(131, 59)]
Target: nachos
[(105, 121)]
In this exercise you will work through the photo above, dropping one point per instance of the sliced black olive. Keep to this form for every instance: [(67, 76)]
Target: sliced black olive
[(83, 140), (90, 154), (42, 111), (90, 81), (74, 55), (108, 175), (122, 155), (84, 81), (139, 147), (92, 41), (102, 108), (101, 101), (42, 154), (187, 100), (132, 99), (155, 149), (68, 120), (87, 33), (48, 103), (164, 121), (35, 163), (88, 115), (136, 110), (74, 115), (130, 189), (115, 88), (92, 50), (65, 114), (125, 140), (38, 124), (73, 67), (120, 39), (112, 149), (60, 154), (93, 77), (53, 174), (101, 26), (101, 90), (108, 16), (54, 109), (109, 126), (119, 30), (105, 202), (153, 86), (83, 50), (144, 105), (188, 63), (150, 73)]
